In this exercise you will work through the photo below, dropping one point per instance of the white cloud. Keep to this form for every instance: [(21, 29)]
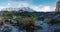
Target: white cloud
[(1, 7), (21, 4), (43, 8), (39, 8)]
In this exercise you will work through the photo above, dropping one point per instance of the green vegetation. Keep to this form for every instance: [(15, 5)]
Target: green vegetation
[(50, 20), (25, 17), (7, 16), (26, 20)]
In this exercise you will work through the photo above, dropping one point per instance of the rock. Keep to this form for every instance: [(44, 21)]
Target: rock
[(57, 30)]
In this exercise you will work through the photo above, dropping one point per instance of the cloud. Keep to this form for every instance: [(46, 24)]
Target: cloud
[(43, 8), (17, 4), (38, 8), (21, 4), (1, 7)]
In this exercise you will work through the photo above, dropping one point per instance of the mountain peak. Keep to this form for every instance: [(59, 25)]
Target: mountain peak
[(18, 9)]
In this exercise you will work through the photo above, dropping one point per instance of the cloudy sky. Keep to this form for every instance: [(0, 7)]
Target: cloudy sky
[(37, 5)]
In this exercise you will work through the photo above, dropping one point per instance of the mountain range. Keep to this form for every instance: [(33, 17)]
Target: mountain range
[(40, 15)]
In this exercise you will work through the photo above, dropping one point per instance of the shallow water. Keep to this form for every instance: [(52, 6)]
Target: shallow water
[(45, 27)]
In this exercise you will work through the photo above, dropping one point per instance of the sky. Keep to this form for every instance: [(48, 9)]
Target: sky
[(37, 5)]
